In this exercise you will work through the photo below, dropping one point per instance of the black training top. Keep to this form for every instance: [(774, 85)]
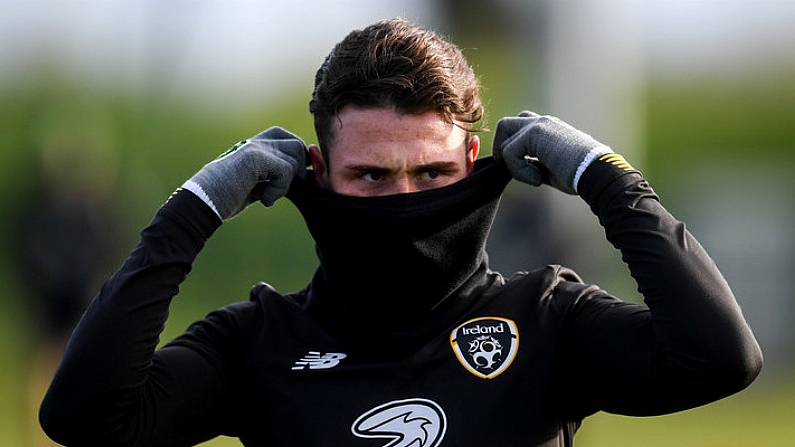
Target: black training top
[(509, 362)]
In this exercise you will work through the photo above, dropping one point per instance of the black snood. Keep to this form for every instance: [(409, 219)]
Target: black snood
[(387, 262)]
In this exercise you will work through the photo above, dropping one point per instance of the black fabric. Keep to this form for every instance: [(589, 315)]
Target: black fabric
[(386, 262)]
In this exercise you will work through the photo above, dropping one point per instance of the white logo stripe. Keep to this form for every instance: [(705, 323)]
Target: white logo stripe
[(408, 423)]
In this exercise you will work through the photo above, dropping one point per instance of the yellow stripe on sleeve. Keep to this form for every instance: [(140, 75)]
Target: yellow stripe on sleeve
[(616, 160)]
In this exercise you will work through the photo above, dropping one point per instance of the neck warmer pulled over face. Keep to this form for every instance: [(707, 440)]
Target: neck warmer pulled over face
[(389, 261)]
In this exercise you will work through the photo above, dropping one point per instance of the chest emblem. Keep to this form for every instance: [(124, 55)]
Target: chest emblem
[(404, 423), (485, 346)]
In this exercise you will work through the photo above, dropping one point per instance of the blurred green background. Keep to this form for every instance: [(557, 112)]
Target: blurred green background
[(110, 119)]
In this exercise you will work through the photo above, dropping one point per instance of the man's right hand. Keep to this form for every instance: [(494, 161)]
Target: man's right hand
[(260, 168)]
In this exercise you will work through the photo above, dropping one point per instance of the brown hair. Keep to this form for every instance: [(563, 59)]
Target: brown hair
[(393, 63)]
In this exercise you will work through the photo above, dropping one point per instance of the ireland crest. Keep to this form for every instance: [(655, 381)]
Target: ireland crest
[(485, 346)]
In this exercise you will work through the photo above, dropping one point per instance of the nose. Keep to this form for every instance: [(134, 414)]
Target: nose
[(404, 185)]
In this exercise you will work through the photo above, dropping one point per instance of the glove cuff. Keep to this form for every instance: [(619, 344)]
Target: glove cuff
[(592, 155), (199, 192)]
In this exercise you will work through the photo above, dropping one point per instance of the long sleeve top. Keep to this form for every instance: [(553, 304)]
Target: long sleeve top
[(522, 362)]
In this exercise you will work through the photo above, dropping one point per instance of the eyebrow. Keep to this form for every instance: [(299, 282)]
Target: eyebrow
[(362, 168), (444, 166)]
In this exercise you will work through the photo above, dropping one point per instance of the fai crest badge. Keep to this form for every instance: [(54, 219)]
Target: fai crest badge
[(485, 346)]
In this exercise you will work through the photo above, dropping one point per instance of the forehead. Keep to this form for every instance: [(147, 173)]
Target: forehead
[(373, 126)]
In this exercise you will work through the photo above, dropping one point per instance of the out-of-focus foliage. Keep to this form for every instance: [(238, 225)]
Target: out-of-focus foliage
[(746, 118), (140, 147)]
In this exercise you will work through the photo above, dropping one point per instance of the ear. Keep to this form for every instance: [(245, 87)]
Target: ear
[(473, 148), (319, 165)]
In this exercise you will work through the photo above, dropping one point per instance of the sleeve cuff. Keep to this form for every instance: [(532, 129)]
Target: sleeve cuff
[(199, 192), (601, 173), (192, 211), (595, 153)]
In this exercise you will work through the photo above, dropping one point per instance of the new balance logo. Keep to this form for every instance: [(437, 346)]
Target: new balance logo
[(316, 360)]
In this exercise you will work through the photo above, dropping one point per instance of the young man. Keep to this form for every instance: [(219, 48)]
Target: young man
[(404, 337)]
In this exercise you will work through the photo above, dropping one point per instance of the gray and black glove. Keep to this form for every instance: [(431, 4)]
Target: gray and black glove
[(260, 168), (544, 149)]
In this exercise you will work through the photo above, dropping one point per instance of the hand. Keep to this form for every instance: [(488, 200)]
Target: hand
[(260, 168), (543, 149)]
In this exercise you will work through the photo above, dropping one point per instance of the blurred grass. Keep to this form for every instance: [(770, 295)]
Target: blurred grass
[(761, 416), (160, 140)]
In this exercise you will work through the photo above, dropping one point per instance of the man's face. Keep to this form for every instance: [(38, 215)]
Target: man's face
[(377, 151)]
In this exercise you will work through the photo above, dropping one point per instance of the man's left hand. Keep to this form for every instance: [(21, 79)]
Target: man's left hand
[(544, 149)]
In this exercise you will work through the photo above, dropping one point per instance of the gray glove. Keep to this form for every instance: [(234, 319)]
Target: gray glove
[(544, 149), (260, 168)]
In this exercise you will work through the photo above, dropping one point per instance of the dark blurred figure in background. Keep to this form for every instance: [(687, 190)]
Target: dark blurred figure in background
[(64, 238)]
